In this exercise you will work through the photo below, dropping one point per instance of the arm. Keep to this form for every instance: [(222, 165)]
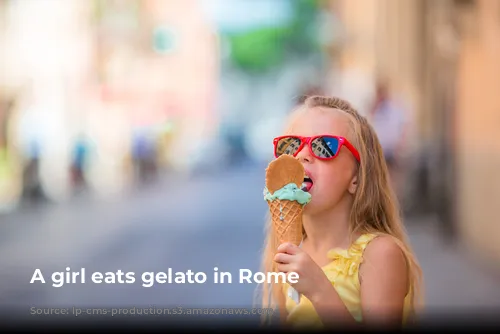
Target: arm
[(404, 124), (384, 283), (331, 309), (383, 286), (401, 145)]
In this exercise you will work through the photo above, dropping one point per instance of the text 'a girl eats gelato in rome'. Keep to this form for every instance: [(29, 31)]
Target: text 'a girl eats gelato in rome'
[(246, 276)]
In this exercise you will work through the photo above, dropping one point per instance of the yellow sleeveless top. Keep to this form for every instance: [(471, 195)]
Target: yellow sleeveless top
[(342, 272)]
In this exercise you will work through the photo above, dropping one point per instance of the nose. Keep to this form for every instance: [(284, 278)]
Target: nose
[(305, 154)]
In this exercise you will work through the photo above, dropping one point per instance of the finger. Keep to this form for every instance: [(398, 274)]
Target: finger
[(283, 258), (288, 248), (283, 267)]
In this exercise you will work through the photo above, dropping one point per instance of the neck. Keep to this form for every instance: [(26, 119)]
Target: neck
[(329, 229)]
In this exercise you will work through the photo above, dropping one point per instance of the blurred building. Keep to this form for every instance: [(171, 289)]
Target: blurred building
[(442, 57), (46, 62), (9, 181), (476, 141), (158, 61), (106, 70)]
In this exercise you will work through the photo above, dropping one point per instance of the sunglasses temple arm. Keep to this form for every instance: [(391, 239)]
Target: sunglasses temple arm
[(353, 150)]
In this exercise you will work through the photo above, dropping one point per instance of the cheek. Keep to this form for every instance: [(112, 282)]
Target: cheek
[(335, 181), (326, 194)]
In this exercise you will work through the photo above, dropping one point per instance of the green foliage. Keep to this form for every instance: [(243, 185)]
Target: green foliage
[(259, 49), (263, 48)]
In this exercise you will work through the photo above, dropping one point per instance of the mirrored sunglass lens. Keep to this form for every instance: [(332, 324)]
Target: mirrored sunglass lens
[(325, 147), (288, 145)]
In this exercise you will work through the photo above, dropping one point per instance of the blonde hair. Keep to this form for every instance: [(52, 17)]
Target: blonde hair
[(375, 207)]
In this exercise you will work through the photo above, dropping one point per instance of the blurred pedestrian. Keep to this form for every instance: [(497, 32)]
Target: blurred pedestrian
[(144, 156), (354, 263), (32, 186), (79, 163), (389, 119)]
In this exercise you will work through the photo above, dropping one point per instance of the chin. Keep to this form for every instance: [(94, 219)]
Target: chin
[(310, 208)]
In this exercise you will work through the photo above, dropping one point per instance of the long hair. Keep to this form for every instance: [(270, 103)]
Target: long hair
[(375, 207)]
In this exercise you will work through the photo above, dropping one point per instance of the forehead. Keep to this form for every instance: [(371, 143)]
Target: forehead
[(319, 121)]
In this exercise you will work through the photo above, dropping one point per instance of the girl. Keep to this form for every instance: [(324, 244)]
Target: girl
[(354, 264)]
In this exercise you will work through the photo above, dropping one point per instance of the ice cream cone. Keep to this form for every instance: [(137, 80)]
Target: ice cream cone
[(286, 201), (287, 220)]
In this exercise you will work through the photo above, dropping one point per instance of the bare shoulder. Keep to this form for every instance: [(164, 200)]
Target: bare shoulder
[(383, 249), (384, 253)]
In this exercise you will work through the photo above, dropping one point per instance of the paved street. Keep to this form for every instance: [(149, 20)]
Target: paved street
[(198, 224)]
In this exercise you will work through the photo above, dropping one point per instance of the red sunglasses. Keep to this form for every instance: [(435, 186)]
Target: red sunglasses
[(324, 147)]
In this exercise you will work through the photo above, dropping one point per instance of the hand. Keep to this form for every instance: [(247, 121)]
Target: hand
[(312, 280)]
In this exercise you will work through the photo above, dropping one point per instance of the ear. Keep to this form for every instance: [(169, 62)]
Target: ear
[(353, 185)]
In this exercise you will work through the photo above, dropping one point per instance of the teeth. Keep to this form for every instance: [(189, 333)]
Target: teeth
[(304, 186)]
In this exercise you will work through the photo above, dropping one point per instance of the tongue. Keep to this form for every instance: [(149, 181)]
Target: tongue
[(306, 186)]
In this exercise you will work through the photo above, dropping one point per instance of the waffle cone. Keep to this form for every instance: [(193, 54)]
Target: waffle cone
[(288, 229), (282, 171)]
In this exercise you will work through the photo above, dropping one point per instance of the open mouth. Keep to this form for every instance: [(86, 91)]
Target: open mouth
[(307, 184)]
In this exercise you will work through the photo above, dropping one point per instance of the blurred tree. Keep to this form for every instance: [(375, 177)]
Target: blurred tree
[(262, 48)]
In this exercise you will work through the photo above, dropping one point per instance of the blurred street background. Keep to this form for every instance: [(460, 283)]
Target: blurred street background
[(134, 135)]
